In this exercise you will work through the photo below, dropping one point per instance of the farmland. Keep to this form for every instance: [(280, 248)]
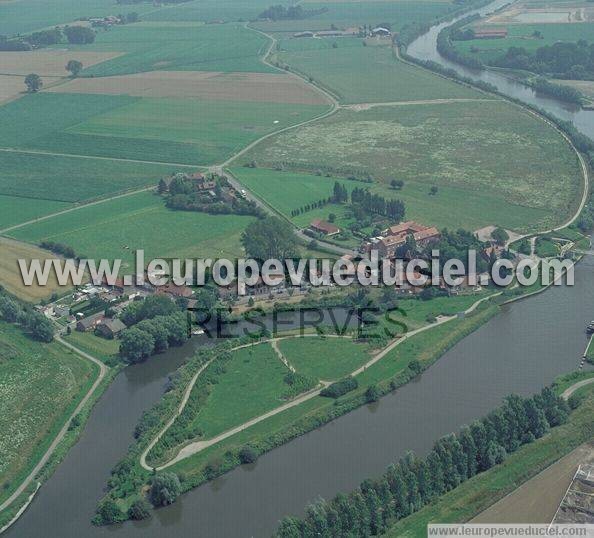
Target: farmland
[(481, 147), (324, 358), (288, 190), (14, 210), (344, 14), (211, 10), (213, 86), (127, 127), (150, 46), (352, 72), (10, 274), (37, 177), (116, 228), (40, 385)]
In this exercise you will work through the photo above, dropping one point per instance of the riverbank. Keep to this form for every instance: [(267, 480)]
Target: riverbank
[(481, 491)]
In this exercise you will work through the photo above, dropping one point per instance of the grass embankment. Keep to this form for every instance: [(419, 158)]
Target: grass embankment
[(105, 350), (40, 386), (448, 146), (481, 491), (388, 374)]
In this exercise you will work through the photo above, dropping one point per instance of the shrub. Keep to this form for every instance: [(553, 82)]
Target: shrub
[(140, 509), (164, 489), (248, 454), (340, 388)]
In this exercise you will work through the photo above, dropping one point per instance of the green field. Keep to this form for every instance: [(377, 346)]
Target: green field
[(481, 148), (288, 190), (40, 386), (116, 228), (100, 348), (358, 74), (251, 385), (39, 179), (521, 35), (22, 16), (347, 14), (168, 130), (327, 359), (14, 210), (149, 46), (211, 10)]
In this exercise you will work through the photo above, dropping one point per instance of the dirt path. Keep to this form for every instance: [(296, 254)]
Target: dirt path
[(358, 107), (537, 499), (568, 392), (198, 446), (103, 369)]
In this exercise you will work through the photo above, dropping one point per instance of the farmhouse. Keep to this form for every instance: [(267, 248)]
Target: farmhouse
[(175, 291), (110, 328), (489, 33), (381, 32), (323, 227), (303, 34), (89, 322), (395, 236)]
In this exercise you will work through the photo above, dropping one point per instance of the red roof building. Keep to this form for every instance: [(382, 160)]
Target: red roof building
[(323, 227)]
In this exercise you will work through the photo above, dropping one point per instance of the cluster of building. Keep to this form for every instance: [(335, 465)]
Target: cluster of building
[(393, 238), (105, 22), (115, 297), (489, 33), (359, 32)]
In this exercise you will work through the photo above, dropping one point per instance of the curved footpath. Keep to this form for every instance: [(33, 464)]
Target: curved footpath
[(198, 446), (103, 369)]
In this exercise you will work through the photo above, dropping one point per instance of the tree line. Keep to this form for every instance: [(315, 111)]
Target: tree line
[(76, 35), (414, 482), (31, 321), (281, 13)]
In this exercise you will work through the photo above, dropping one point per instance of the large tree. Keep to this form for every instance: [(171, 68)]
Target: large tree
[(164, 489), (269, 238), (33, 83), (75, 67)]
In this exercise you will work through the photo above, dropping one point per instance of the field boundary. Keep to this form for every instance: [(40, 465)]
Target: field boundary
[(103, 370)]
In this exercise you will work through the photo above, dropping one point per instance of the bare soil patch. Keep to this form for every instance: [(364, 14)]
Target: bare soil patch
[(48, 63), (215, 86), (543, 15), (10, 276), (536, 501)]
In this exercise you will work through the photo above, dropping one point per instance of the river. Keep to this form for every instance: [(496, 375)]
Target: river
[(522, 349)]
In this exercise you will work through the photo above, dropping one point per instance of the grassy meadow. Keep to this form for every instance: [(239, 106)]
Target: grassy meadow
[(252, 384), (40, 386), (289, 190), (116, 228), (326, 359), (358, 74), (481, 148)]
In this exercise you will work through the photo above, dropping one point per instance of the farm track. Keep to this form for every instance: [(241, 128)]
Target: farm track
[(103, 369)]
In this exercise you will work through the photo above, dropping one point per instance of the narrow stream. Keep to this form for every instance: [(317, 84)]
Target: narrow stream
[(522, 349)]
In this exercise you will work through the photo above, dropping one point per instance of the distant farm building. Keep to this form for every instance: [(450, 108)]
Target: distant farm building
[(303, 34), (381, 32), (489, 33), (110, 328), (323, 227)]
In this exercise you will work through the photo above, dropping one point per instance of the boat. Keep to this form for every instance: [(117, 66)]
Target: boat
[(590, 328)]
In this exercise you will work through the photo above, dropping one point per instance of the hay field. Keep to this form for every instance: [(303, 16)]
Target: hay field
[(49, 63), (215, 86), (10, 275), (484, 147)]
